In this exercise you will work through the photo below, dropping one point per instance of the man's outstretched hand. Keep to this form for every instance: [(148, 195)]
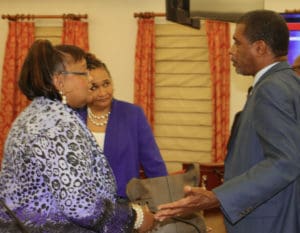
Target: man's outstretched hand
[(196, 199)]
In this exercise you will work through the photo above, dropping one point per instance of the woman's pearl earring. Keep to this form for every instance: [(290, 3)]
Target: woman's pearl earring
[(64, 98)]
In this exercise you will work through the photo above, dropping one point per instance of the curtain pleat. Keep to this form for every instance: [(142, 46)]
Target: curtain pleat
[(20, 38), (144, 83), (75, 32), (218, 34)]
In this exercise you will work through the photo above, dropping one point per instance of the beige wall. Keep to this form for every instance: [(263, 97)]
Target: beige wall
[(280, 5), (112, 31)]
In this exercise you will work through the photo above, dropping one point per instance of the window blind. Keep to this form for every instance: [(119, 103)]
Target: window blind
[(50, 33), (183, 108)]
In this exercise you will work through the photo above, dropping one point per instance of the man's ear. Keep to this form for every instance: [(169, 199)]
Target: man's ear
[(261, 47)]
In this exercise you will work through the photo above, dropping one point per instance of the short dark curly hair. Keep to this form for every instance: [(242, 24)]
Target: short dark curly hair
[(268, 26)]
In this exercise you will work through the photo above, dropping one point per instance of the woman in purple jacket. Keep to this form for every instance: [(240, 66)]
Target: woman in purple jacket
[(54, 177), (121, 130)]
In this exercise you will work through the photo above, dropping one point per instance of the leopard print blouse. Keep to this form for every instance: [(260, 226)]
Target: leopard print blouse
[(55, 174)]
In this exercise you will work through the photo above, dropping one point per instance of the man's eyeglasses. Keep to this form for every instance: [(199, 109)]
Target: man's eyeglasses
[(75, 73)]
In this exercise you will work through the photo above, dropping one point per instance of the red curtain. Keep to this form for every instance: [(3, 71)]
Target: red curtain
[(75, 32), (218, 34), (20, 38), (144, 82)]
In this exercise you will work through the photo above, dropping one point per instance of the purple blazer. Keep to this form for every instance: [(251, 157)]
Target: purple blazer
[(129, 143)]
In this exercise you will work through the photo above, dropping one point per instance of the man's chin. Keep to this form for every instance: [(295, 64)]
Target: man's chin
[(239, 71)]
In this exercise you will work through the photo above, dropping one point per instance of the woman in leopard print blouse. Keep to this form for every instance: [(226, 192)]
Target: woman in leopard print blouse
[(54, 176)]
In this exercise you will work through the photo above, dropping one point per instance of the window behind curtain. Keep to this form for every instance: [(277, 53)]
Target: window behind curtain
[(183, 108), (52, 33)]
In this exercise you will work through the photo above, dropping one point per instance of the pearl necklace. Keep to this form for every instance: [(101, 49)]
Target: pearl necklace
[(98, 120)]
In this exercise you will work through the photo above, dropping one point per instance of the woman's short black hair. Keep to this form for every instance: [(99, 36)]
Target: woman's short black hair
[(36, 76), (93, 63), (76, 53)]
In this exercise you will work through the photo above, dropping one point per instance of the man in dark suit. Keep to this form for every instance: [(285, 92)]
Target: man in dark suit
[(261, 192)]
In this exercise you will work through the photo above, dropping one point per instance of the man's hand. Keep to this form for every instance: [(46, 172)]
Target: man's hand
[(196, 198)]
